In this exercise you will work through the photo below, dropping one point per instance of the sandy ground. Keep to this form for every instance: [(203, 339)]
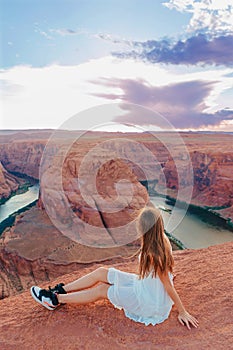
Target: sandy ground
[(203, 280)]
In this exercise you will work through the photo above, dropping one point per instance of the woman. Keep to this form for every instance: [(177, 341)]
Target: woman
[(147, 297)]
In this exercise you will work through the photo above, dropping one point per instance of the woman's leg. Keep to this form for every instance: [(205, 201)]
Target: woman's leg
[(85, 296), (89, 280)]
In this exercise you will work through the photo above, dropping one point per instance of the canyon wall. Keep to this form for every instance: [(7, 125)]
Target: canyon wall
[(34, 250), (8, 183), (22, 156), (211, 156)]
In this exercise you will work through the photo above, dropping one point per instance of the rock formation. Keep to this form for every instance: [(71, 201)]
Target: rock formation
[(34, 250), (22, 156), (8, 183), (203, 280), (211, 157)]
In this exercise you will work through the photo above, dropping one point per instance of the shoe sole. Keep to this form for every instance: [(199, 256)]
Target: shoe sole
[(39, 301)]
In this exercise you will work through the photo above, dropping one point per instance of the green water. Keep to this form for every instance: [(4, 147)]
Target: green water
[(18, 201), (193, 231)]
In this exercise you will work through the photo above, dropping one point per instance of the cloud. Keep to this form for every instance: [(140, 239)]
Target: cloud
[(45, 97), (9, 89), (205, 41), (66, 31), (113, 39), (207, 16), (195, 50), (50, 33), (182, 104), (43, 33)]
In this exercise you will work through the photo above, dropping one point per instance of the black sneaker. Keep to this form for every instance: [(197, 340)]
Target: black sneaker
[(45, 297), (58, 289)]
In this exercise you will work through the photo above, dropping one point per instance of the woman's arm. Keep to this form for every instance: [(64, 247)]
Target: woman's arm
[(184, 317)]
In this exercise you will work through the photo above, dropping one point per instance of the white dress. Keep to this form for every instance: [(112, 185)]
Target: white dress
[(143, 300)]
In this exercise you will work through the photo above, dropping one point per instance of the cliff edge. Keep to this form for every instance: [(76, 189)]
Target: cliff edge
[(203, 280)]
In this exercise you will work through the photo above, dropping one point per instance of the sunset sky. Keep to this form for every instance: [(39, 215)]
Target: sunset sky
[(60, 57)]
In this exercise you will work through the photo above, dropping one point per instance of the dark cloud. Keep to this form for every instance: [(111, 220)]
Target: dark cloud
[(182, 104), (194, 50)]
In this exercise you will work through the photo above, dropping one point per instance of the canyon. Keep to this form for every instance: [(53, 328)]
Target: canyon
[(83, 208), (211, 156)]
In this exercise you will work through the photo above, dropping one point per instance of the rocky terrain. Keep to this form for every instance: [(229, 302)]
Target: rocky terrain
[(8, 184), (211, 156), (22, 156), (203, 281), (34, 250)]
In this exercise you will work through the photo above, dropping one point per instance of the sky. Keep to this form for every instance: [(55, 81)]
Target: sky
[(61, 57)]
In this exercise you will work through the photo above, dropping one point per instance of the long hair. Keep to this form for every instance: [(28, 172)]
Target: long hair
[(155, 249)]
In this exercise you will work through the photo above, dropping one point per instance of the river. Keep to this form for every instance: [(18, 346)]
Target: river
[(18, 201), (192, 231)]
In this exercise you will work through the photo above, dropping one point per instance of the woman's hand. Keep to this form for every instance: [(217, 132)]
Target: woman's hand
[(185, 318)]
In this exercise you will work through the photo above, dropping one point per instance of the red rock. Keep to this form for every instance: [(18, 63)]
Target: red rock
[(8, 183), (203, 280), (210, 153), (34, 251), (23, 156), (28, 252)]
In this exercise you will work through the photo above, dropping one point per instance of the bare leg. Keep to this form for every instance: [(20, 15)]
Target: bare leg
[(89, 280), (85, 296)]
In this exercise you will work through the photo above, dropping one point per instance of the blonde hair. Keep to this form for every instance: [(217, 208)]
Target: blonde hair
[(155, 248)]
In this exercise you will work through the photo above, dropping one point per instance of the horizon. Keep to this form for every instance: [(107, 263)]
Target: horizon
[(119, 131)]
